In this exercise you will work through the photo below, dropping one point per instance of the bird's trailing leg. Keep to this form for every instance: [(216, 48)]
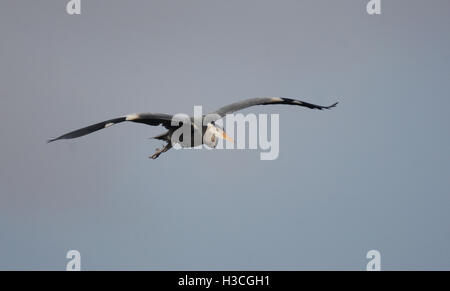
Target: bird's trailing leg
[(167, 147)]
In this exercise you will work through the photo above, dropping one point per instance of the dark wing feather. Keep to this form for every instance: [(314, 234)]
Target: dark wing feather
[(266, 101), (153, 119)]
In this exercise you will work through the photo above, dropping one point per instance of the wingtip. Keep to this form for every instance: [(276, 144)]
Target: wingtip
[(333, 105)]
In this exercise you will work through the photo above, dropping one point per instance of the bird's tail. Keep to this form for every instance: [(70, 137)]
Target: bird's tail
[(163, 136)]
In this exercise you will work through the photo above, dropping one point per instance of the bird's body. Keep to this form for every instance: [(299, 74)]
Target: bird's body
[(208, 133)]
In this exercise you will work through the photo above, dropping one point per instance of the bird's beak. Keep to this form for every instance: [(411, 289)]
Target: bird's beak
[(226, 137)]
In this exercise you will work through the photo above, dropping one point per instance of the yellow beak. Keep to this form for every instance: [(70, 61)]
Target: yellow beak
[(226, 137)]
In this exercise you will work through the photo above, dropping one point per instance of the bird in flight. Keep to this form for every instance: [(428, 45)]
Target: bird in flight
[(210, 132)]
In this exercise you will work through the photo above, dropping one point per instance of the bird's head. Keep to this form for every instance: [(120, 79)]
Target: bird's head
[(213, 133)]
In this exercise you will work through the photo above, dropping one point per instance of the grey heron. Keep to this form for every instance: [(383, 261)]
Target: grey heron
[(210, 132)]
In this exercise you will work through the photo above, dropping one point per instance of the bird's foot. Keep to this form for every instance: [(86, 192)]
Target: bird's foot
[(160, 151), (156, 154)]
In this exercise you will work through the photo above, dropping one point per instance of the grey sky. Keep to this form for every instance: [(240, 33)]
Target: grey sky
[(371, 174)]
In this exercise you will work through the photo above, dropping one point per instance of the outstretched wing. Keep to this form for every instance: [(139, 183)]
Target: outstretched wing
[(153, 119), (266, 101)]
